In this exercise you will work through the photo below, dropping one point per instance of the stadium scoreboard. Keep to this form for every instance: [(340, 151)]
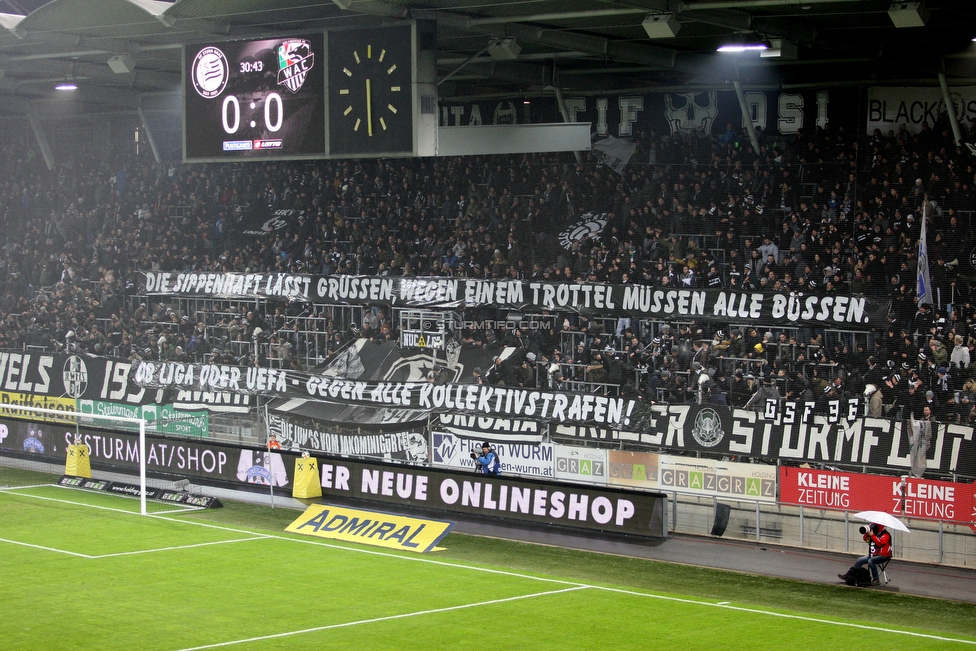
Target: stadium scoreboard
[(346, 93), (254, 99)]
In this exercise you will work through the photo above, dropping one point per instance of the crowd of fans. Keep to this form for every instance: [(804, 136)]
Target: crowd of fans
[(823, 212)]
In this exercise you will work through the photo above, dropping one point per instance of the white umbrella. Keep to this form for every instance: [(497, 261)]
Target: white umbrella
[(880, 517)]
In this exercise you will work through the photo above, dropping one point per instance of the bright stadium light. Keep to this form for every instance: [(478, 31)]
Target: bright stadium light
[(743, 47)]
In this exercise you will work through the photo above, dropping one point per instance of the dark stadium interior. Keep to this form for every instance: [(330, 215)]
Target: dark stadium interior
[(821, 205), (842, 205)]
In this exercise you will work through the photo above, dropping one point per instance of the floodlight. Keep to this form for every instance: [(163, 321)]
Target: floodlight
[(908, 14), (121, 64), (504, 48), (743, 47), (661, 26), (780, 48)]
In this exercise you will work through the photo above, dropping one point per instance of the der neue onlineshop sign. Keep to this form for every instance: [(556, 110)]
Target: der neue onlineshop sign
[(524, 500)]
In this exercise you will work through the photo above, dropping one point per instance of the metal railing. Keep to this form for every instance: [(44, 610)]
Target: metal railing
[(944, 542)]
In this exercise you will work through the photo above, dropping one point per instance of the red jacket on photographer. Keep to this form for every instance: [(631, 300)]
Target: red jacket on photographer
[(880, 540)]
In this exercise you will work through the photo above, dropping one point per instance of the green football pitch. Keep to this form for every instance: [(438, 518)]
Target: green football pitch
[(83, 570)]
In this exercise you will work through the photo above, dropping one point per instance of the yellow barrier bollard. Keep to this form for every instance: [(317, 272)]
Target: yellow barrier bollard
[(78, 464), (307, 483)]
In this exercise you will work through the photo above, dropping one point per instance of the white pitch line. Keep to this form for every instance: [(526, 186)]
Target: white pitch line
[(374, 620), (773, 613), (694, 602), (167, 549), (188, 509), (475, 568), (47, 549), (55, 499), (373, 552)]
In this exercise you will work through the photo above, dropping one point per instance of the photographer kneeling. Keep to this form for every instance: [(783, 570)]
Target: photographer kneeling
[(879, 550), (488, 462)]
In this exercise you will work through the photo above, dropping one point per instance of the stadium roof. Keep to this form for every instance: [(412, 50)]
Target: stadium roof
[(583, 46)]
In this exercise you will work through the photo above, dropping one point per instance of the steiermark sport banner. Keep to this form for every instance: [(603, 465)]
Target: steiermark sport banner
[(163, 419)]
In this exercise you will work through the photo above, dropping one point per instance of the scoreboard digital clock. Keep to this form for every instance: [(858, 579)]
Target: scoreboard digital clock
[(254, 99)]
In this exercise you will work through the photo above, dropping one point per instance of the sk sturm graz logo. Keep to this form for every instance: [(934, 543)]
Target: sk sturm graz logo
[(210, 72), (33, 442), (708, 430), (295, 59), (591, 225), (75, 376)]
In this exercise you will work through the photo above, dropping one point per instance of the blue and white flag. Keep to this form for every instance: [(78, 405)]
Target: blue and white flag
[(924, 285)]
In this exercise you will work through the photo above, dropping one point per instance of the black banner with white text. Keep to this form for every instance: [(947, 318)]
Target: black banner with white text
[(537, 502), (585, 298), (504, 402), (792, 433)]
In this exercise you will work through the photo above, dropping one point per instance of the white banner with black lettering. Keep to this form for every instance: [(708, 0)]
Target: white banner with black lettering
[(890, 107), (527, 459)]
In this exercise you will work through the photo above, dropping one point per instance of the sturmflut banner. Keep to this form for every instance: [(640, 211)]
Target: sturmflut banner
[(499, 402), (585, 298), (791, 432)]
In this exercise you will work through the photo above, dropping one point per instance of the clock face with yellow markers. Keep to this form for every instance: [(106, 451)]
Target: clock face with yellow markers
[(370, 93)]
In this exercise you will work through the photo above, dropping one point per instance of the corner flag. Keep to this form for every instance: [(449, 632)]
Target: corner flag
[(924, 285)]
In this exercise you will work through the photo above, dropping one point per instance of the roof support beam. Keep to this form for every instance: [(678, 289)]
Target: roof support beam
[(41, 136)]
